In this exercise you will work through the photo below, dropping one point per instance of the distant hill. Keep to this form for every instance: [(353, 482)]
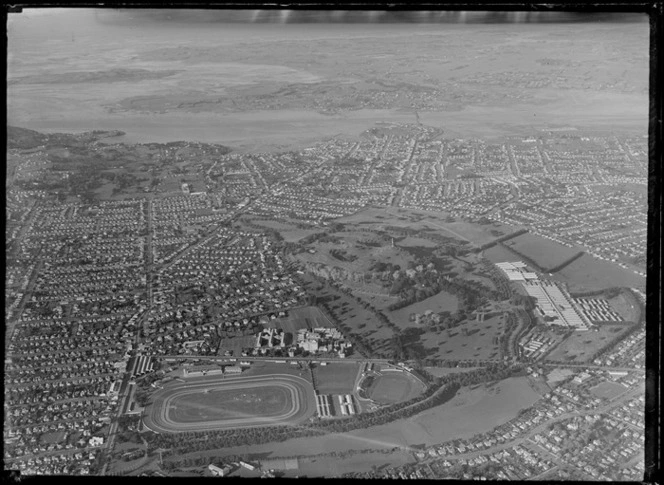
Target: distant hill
[(24, 138)]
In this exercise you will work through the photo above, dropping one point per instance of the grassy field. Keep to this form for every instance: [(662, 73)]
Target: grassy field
[(438, 303), (591, 273), (229, 403), (336, 378), (417, 241), (299, 318), (332, 466), (544, 252), (470, 412), (608, 390), (352, 315), (236, 344), (498, 254), (392, 387), (580, 346), (445, 371), (290, 232), (477, 343), (479, 233), (626, 307)]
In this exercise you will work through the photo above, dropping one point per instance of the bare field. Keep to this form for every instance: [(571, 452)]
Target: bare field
[(581, 346)]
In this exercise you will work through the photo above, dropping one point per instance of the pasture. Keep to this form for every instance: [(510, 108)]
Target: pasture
[(580, 346), (336, 378)]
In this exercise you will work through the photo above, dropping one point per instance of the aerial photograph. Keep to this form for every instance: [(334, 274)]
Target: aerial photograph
[(315, 243)]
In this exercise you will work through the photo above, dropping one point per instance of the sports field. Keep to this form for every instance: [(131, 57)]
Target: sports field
[(608, 390), (392, 387), (336, 378), (230, 402), (396, 387)]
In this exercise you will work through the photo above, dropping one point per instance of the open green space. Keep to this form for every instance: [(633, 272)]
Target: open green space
[(392, 387), (472, 340), (300, 318), (592, 273), (581, 346), (440, 302), (290, 232), (336, 378), (53, 437), (333, 466), (546, 253), (608, 390), (216, 405), (353, 318)]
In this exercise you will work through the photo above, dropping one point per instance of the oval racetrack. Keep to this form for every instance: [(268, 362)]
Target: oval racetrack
[(161, 416)]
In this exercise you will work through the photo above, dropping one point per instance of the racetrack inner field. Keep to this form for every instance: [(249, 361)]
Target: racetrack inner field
[(235, 402), (229, 403)]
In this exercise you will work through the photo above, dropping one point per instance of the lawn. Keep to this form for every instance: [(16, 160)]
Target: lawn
[(440, 302), (336, 378), (580, 346)]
